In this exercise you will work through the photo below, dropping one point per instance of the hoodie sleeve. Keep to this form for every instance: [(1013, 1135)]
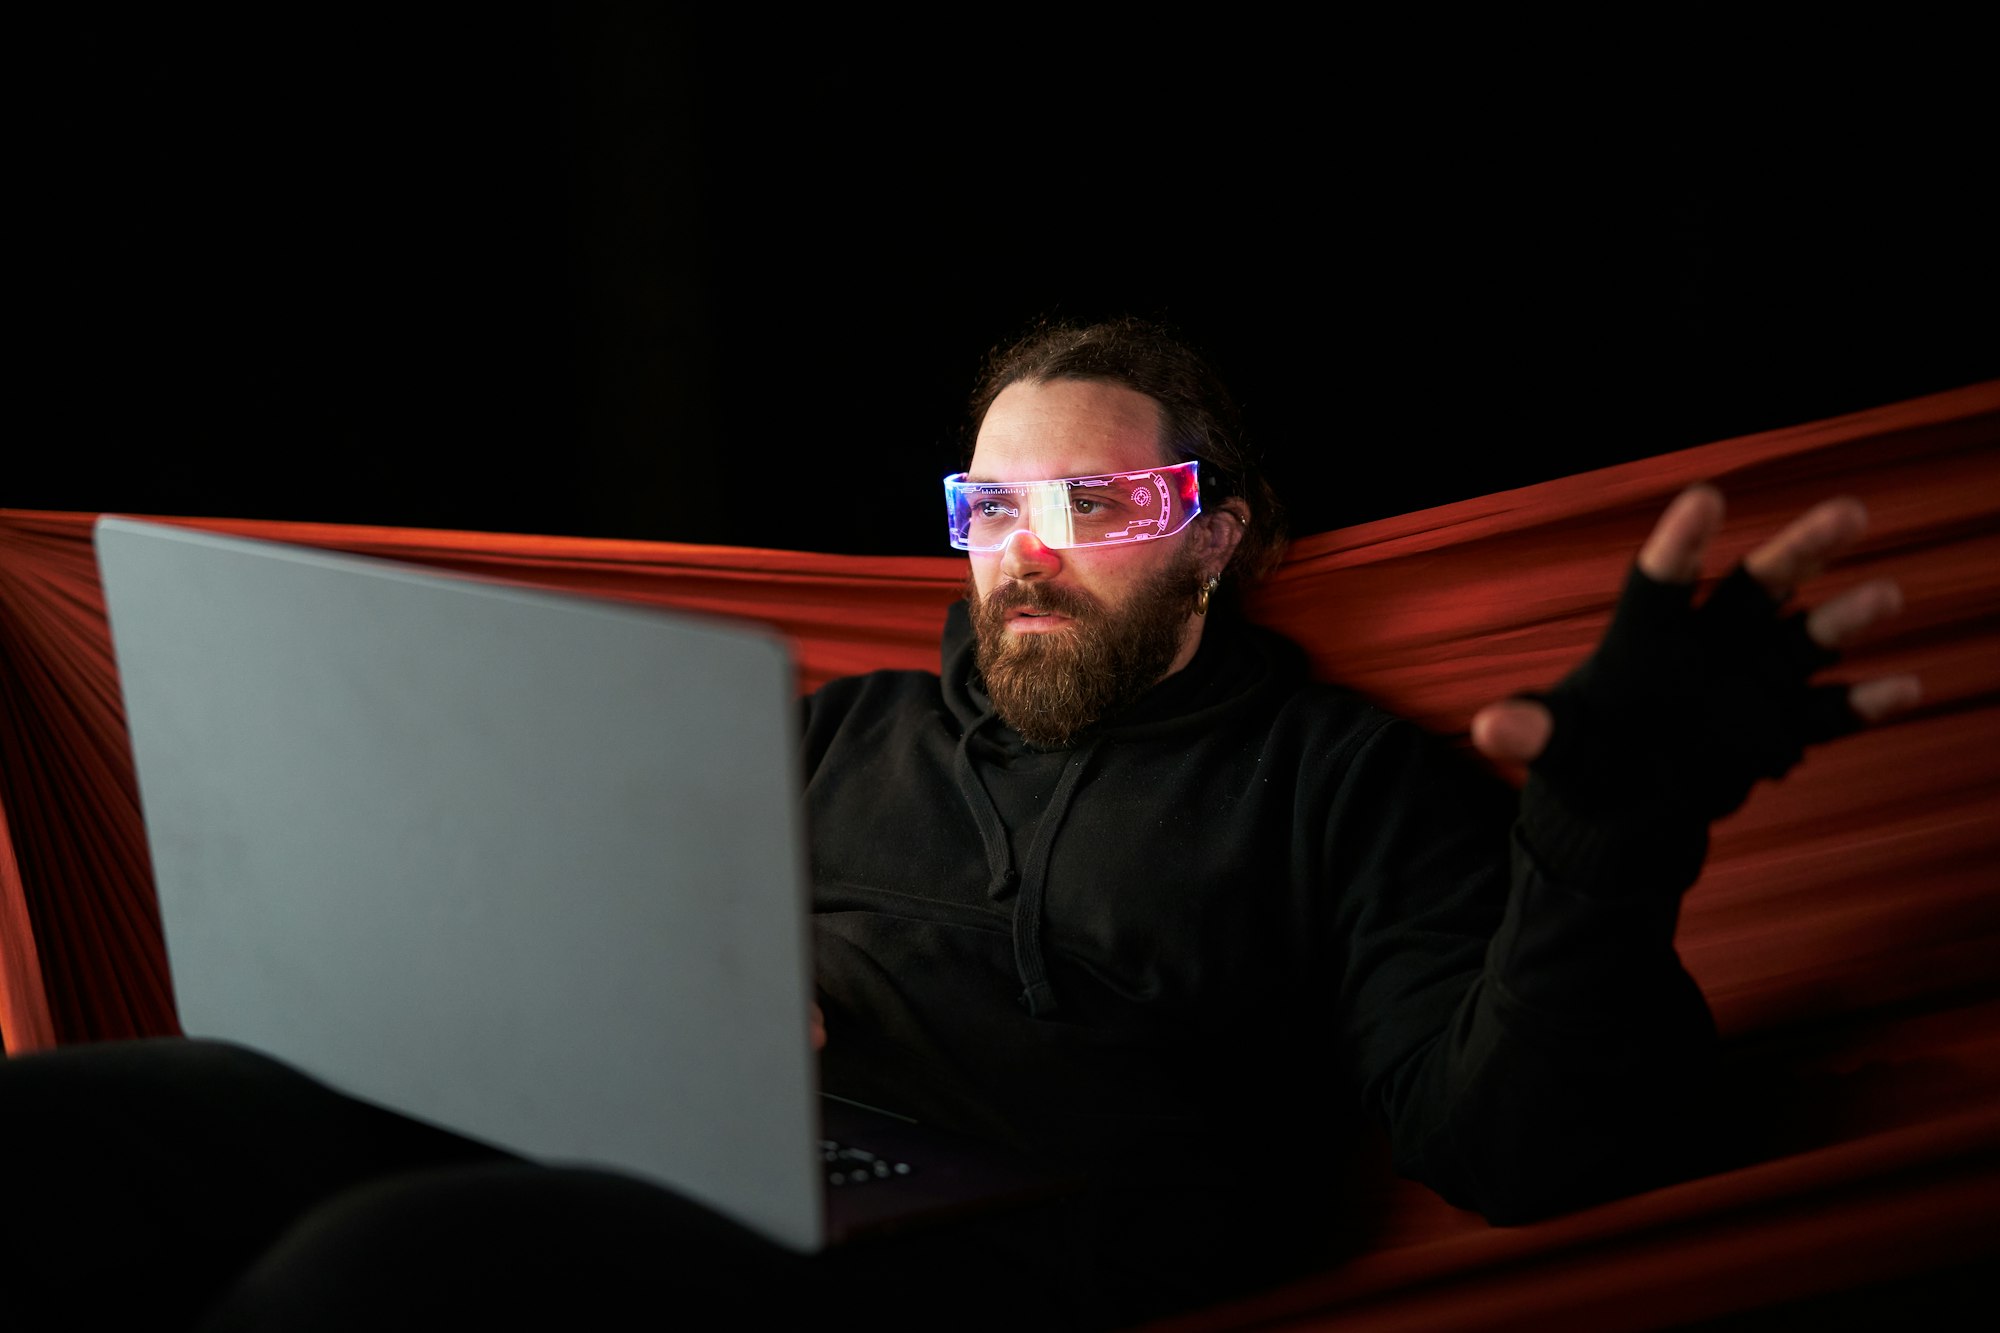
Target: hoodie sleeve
[(1530, 1037), (1577, 1063)]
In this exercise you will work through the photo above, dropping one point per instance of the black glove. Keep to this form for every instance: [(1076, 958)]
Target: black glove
[(1667, 726)]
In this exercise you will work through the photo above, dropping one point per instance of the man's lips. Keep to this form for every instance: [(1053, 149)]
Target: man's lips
[(1027, 620), (1021, 609)]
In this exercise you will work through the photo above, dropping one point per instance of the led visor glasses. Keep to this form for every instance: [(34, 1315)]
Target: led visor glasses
[(1073, 511)]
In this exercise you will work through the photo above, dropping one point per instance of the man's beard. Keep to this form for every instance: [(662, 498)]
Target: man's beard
[(1048, 687)]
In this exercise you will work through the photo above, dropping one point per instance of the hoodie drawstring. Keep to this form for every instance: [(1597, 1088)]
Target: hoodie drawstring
[(1038, 995)]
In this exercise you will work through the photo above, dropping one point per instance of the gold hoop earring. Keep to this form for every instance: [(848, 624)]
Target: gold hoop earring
[(1207, 591)]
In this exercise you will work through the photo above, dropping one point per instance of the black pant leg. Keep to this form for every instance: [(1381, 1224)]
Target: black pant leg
[(160, 1184), (142, 1178), (516, 1245)]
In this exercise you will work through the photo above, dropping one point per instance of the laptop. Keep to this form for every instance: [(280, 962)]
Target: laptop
[(524, 865)]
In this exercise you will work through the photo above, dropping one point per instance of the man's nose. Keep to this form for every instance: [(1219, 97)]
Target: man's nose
[(1026, 556)]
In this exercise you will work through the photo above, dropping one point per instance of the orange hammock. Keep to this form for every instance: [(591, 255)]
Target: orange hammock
[(1847, 930)]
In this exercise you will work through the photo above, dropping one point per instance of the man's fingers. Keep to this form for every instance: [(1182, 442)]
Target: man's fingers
[(1512, 731), (1802, 549), (1841, 618), (1874, 700), (1672, 553)]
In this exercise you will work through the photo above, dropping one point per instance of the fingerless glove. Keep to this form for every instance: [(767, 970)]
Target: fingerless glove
[(1667, 726)]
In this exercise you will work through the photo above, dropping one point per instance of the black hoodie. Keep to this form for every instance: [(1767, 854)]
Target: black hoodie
[(1218, 920)]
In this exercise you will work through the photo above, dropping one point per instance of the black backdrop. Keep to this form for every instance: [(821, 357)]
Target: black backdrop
[(640, 275)]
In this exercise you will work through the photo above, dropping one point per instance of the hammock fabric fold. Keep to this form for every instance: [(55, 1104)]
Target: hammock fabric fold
[(1846, 931)]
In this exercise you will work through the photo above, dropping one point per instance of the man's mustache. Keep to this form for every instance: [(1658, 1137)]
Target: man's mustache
[(1043, 597)]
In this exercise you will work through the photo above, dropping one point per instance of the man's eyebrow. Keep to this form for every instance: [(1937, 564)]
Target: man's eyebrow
[(971, 480)]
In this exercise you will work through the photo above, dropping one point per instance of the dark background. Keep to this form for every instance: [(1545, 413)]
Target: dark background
[(609, 271)]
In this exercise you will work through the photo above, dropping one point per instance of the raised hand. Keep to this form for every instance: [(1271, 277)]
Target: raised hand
[(1690, 705)]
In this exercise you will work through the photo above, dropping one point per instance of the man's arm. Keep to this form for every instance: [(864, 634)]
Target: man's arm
[(1575, 1067)]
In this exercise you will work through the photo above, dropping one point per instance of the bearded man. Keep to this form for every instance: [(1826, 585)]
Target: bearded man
[(1120, 886), (1124, 886)]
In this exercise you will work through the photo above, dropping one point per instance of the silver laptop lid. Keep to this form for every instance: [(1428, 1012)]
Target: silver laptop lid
[(524, 865)]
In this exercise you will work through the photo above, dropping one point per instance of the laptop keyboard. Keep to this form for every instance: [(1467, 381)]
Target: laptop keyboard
[(857, 1166)]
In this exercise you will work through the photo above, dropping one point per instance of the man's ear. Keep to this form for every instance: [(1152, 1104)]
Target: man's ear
[(1221, 527)]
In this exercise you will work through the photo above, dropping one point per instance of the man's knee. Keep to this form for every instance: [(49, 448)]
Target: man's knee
[(509, 1243)]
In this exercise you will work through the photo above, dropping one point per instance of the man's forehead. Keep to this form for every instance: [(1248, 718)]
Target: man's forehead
[(1067, 428)]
